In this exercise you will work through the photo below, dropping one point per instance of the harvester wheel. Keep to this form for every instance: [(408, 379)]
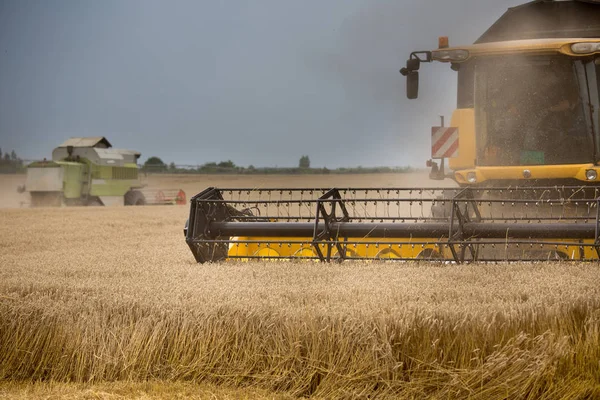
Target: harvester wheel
[(46, 199), (134, 198), (94, 202)]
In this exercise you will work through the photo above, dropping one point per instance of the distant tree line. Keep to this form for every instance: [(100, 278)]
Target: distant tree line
[(156, 165), (10, 163), (304, 162)]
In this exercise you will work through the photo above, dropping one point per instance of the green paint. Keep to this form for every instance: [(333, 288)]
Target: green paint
[(105, 180), (43, 164), (72, 179), (532, 157), (112, 187)]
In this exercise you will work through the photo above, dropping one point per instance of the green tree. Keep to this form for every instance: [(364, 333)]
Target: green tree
[(304, 162), (155, 164), (172, 167), (226, 164)]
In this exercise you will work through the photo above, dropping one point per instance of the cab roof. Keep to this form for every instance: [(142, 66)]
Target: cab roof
[(94, 141), (546, 19)]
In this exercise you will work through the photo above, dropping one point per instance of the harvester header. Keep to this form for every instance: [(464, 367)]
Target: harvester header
[(492, 224)]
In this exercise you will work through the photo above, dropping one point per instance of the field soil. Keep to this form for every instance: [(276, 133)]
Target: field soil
[(99, 302)]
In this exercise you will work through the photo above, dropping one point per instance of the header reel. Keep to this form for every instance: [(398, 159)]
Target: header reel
[(460, 225)]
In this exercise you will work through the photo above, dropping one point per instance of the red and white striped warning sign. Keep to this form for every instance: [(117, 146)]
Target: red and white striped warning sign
[(444, 142)]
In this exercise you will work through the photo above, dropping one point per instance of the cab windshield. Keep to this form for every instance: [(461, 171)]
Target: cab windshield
[(530, 111)]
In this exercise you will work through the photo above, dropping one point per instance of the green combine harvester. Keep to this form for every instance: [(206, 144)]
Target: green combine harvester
[(89, 171)]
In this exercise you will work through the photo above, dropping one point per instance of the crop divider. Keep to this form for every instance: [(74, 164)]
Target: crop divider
[(323, 233), (199, 236), (458, 218)]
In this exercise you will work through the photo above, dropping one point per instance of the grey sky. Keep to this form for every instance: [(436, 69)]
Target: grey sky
[(260, 82)]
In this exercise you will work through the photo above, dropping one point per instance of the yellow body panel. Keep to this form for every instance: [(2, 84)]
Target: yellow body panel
[(464, 119), (564, 171)]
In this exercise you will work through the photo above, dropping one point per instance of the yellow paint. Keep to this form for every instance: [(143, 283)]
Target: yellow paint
[(483, 174), (529, 47), (305, 252), (464, 120), (267, 252), (372, 249), (304, 249)]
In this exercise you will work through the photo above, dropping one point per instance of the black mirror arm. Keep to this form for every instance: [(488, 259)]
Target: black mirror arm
[(422, 56), (415, 60)]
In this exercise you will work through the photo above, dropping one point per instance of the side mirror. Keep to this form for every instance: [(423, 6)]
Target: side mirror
[(413, 64), (412, 85)]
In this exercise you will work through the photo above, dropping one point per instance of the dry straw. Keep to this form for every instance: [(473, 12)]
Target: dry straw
[(103, 295)]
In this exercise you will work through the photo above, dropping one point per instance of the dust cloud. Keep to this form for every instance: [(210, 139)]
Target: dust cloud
[(9, 197), (193, 184)]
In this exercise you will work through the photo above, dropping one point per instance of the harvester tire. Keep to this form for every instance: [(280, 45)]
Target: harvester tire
[(134, 198), (46, 199), (95, 202)]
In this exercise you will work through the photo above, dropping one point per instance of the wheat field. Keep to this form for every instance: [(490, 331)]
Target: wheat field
[(108, 303)]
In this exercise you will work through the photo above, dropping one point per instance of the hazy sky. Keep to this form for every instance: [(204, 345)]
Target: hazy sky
[(258, 82)]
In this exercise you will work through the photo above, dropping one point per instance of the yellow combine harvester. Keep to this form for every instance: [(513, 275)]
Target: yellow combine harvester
[(523, 147)]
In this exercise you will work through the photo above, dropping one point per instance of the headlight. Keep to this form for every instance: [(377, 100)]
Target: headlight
[(585, 48), (591, 174), (471, 177), (450, 55)]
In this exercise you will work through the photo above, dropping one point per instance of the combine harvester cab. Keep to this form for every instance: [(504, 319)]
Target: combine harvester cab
[(528, 99), (523, 148), (88, 171)]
